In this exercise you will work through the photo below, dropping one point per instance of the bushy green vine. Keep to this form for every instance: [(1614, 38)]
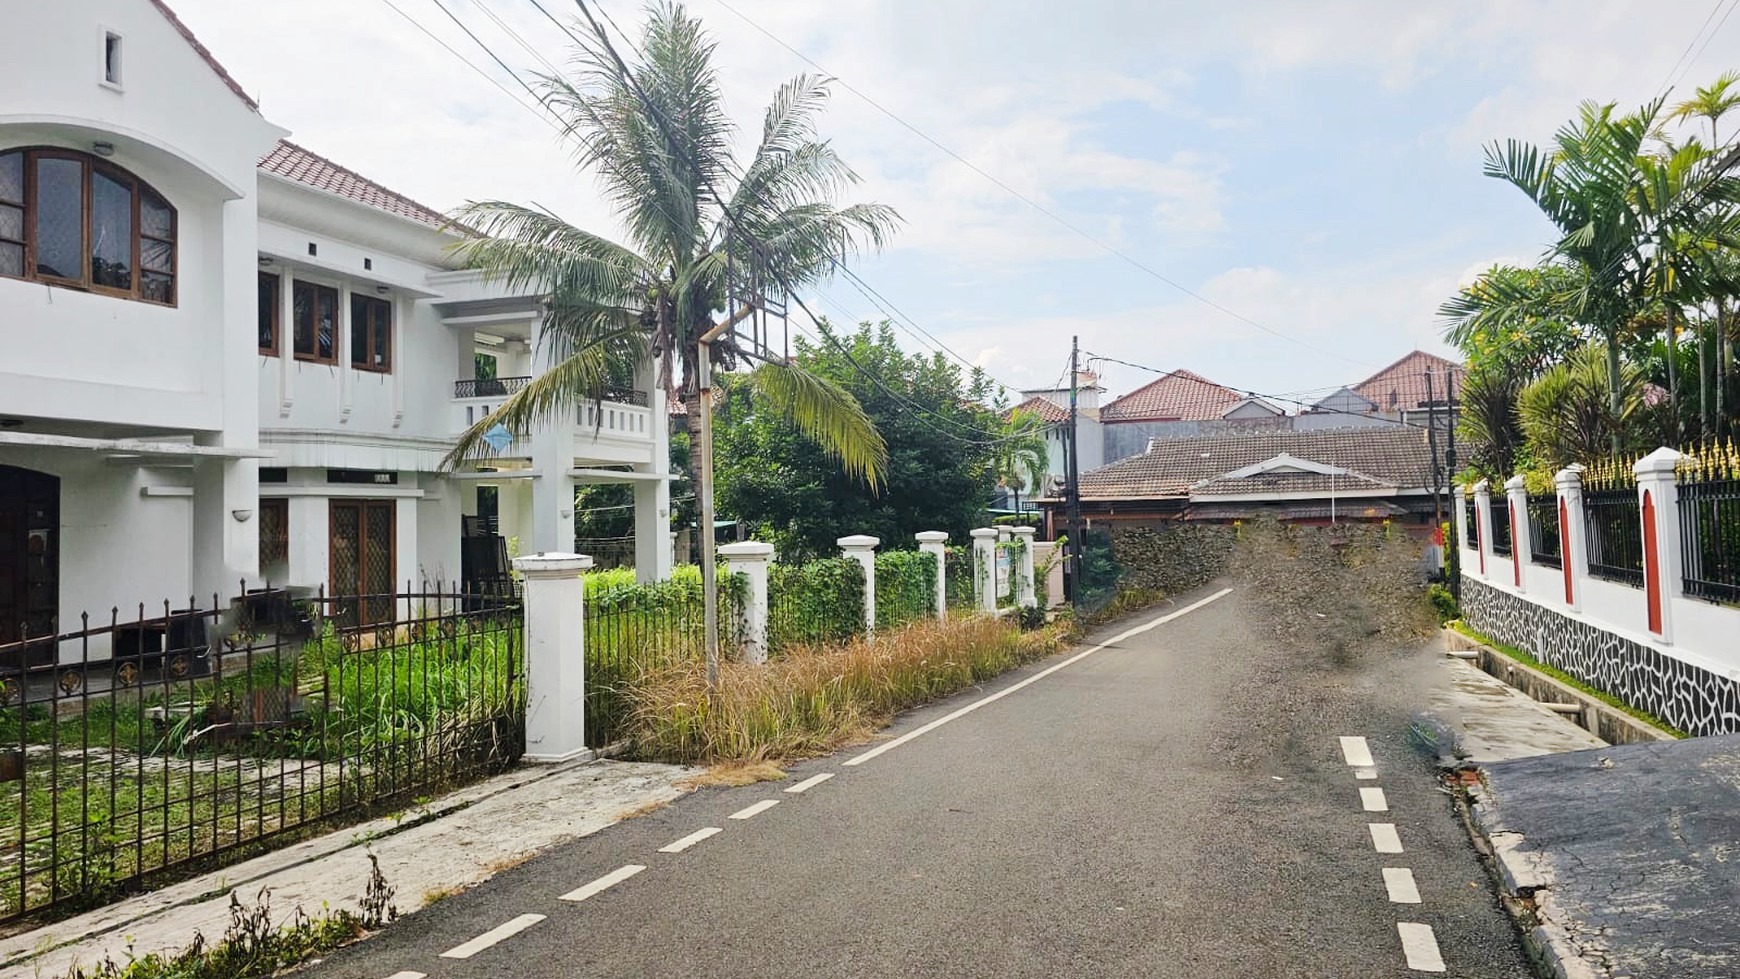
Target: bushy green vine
[(814, 602), (905, 587)]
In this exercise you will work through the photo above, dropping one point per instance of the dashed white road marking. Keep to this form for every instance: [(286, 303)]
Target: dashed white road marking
[(1420, 946), (690, 840), (1384, 838), (602, 884), (810, 783), (750, 812), (1357, 752), (1035, 678), (409, 975), (1365, 773), (1399, 881), (492, 937), (1373, 800)]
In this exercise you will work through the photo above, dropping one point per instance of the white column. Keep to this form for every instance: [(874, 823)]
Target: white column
[(862, 548), (1575, 559), (652, 525), (1656, 484), (1045, 552), (555, 615), (1024, 571), (985, 568), (935, 543), (1516, 494), (1483, 524), (286, 341), (552, 523), (750, 559), (341, 344)]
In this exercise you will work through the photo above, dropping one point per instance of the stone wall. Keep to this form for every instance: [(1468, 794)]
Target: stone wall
[(1694, 700)]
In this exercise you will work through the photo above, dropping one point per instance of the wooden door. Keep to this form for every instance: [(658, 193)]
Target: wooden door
[(362, 547)]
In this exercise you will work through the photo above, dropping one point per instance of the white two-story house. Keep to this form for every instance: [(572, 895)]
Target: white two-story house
[(227, 361)]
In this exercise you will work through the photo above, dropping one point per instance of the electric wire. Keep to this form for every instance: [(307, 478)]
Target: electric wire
[(486, 76)]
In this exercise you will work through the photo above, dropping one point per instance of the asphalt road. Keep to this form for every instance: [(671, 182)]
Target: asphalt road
[(1177, 804)]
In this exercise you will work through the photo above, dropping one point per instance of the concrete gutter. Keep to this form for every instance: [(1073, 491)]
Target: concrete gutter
[(1603, 720)]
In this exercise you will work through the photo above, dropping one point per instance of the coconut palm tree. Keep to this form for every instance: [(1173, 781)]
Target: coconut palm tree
[(698, 227)]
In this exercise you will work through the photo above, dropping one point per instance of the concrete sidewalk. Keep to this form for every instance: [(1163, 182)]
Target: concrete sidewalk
[(426, 852), (1630, 856)]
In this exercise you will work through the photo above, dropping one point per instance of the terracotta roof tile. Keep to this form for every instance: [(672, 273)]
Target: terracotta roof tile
[(1178, 396), (1391, 453), (1046, 409), (304, 166), (205, 53), (1402, 385), (1288, 482)]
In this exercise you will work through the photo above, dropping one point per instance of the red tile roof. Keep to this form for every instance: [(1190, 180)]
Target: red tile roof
[(1402, 385), (307, 167), (205, 53), (1045, 409), (1178, 396)]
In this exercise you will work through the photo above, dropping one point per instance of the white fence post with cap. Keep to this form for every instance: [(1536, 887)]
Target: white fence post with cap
[(1483, 522), (935, 542), (1572, 534), (1024, 594), (985, 568), (1516, 493), (1658, 498), (555, 642), (862, 548), (750, 559)]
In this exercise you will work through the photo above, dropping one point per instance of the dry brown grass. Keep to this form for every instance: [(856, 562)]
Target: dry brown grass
[(644, 809), (808, 701), (734, 773)]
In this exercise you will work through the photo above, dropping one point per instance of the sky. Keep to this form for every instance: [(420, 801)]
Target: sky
[(1276, 195)]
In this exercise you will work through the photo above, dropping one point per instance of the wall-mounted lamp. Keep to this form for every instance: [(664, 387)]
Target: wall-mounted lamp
[(103, 147), (383, 290), (242, 516), (265, 260)]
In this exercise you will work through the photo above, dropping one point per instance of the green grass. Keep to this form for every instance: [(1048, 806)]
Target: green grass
[(1525, 658)]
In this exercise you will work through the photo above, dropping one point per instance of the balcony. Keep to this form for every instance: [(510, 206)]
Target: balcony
[(493, 387), (619, 428)]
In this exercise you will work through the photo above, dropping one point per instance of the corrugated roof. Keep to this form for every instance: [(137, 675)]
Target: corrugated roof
[(205, 53), (1402, 385), (1178, 396), (1393, 454), (307, 167)]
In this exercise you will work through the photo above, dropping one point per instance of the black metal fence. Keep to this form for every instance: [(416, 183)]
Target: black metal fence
[(1613, 528), (183, 737), (815, 602), (905, 588), (1710, 538), (1499, 512), (1471, 520), (1544, 543), (958, 576), (635, 629)]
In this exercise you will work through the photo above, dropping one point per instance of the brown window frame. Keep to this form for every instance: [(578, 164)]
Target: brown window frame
[(280, 507), (363, 359), (316, 289), (274, 313), (89, 166)]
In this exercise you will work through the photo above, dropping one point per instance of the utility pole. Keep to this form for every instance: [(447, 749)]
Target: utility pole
[(1455, 547), (1432, 444), (1072, 473)]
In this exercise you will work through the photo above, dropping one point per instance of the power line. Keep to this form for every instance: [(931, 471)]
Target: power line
[(1041, 208), (488, 50), (1707, 39), (469, 63), (1665, 85), (510, 32)]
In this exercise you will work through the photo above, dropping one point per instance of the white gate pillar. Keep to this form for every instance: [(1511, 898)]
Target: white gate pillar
[(935, 542), (1658, 501), (750, 558), (1516, 495), (862, 548), (1483, 522), (1024, 595), (1574, 556), (555, 638), (985, 568)]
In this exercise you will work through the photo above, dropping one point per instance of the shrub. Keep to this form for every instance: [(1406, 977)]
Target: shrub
[(1443, 603), (905, 587), (817, 601)]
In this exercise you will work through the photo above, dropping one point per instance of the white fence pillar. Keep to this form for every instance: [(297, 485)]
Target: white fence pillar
[(1658, 500), (555, 616), (1516, 493), (1024, 596), (1574, 551), (750, 559), (862, 548), (1045, 554), (935, 542), (985, 568), (1483, 522)]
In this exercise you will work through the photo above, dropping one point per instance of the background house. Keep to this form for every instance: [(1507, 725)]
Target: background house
[(1178, 405)]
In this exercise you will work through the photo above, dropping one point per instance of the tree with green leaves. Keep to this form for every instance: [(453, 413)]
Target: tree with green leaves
[(1520, 320), (655, 134), (941, 430), (1020, 458)]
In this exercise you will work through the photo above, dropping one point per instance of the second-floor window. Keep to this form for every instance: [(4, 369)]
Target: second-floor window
[(371, 334), (315, 326), (269, 306), (71, 219)]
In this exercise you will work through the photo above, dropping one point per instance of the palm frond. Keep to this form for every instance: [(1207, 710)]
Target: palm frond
[(828, 415)]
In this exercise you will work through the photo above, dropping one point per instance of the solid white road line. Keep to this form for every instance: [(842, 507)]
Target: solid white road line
[(1421, 947), (602, 884), (1035, 678), (1373, 800), (1357, 752), (1384, 838), (690, 840), (810, 783), (750, 812), (492, 937), (1399, 881)]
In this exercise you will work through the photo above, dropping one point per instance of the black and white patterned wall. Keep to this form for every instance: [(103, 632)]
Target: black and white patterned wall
[(1695, 701)]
